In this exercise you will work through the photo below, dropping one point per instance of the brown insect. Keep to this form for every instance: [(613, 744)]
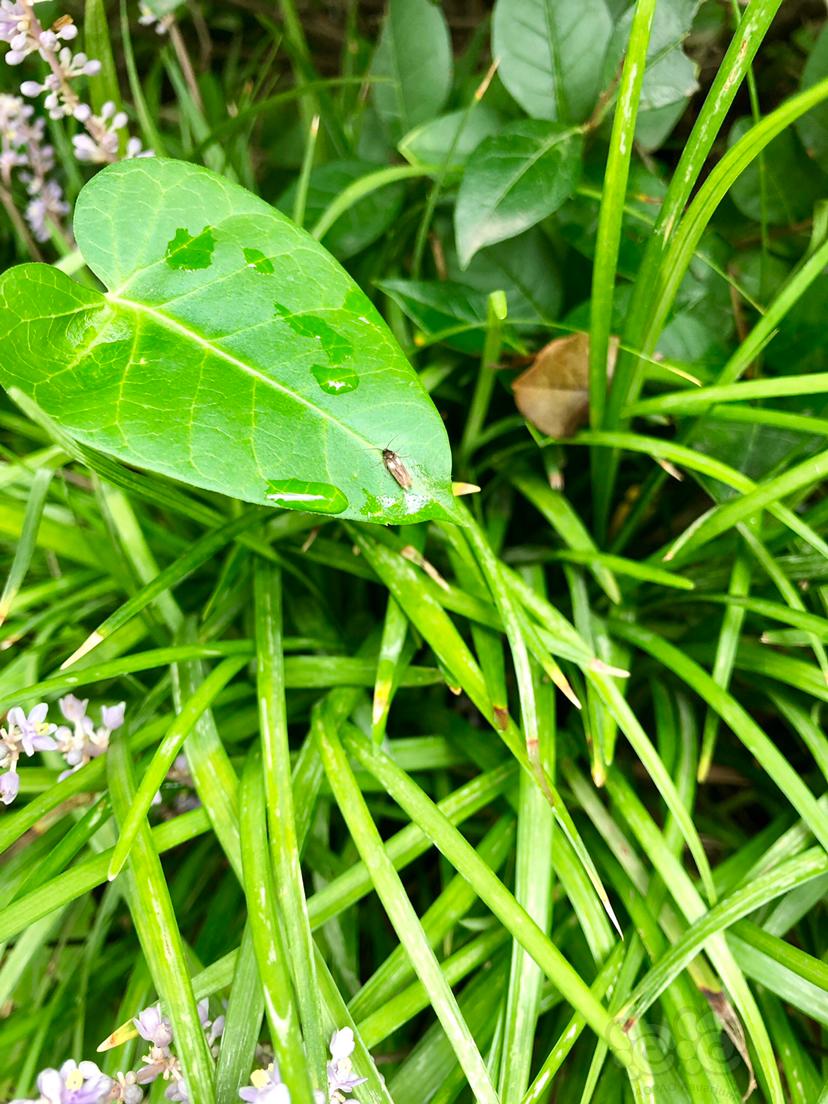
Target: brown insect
[(396, 468)]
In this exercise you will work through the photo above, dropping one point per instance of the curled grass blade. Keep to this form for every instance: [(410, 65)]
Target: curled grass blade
[(699, 399), (706, 465), (728, 514)]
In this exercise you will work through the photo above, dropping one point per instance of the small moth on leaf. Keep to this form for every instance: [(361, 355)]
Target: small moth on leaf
[(396, 468)]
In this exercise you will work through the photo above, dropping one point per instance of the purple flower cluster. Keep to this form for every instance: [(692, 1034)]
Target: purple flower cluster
[(105, 138), (85, 740), (266, 1086), (160, 1061), (23, 149), (73, 1083), (23, 734), (83, 1082)]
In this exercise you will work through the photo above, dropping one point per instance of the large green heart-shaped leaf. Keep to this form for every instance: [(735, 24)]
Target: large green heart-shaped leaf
[(230, 351)]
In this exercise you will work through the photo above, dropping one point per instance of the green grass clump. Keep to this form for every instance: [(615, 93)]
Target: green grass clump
[(529, 806)]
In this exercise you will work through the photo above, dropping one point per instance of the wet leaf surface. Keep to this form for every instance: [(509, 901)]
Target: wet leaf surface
[(230, 351)]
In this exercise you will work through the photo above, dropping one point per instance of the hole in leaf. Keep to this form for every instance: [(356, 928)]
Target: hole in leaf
[(256, 259), (187, 251), (335, 345)]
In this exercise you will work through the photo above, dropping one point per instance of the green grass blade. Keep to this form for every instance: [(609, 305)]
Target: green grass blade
[(610, 219), (132, 819), (492, 891), (28, 540), (781, 879), (728, 514), (199, 553), (271, 953), (89, 874), (103, 86), (155, 922), (400, 911), (290, 894), (560, 514), (533, 891), (778, 769), (243, 1021)]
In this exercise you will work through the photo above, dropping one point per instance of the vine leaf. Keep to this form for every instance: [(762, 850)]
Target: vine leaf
[(230, 351)]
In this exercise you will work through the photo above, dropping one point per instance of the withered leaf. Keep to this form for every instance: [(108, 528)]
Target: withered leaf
[(553, 393)]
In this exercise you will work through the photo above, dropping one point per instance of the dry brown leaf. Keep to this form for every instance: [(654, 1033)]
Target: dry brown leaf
[(553, 393)]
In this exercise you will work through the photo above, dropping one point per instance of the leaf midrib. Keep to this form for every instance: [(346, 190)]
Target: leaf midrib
[(256, 374), (527, 165)]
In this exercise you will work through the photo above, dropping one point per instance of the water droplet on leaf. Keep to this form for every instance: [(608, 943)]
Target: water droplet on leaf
[(256, 259), (297, 494), (335, 381), (189, 251)]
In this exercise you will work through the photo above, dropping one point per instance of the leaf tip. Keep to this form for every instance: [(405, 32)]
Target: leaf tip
[(602, 668), (118, 1037), (92, 641), (459, 489)]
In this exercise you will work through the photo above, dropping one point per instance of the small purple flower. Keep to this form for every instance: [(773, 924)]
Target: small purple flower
[(213, 1029), (46, 206), (9, 786), (265, 1088), (11, 20), (341, 1077), (73, 709), (177, 1092), (159, 1062), (112, 716), (84, 741), (342, 1043), (126, 1089), (73, 1083), (154, 1027), (32, 731)]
